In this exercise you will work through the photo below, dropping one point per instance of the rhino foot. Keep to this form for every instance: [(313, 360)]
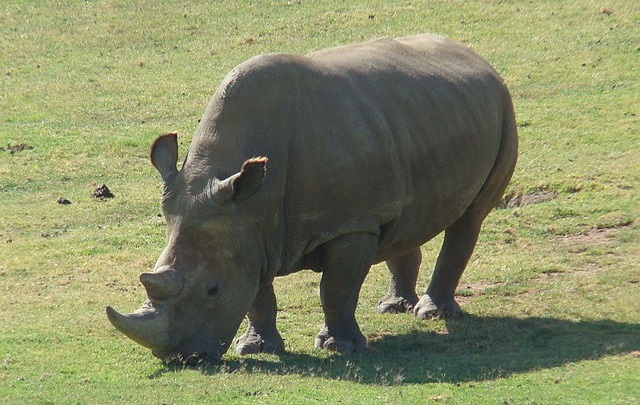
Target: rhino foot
[(254, 343), (392, 304), (427, 309), (345, 344)]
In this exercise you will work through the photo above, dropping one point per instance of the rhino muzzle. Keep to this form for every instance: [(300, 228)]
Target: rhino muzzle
[(193, 359), (147, 326), (150, 326)]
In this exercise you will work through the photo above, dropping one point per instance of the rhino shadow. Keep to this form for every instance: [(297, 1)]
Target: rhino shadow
[(474, 349)]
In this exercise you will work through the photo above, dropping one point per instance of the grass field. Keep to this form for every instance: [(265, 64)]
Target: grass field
[(551, 295)]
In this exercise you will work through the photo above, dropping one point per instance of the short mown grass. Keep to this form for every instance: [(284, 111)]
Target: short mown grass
[(550, 295)]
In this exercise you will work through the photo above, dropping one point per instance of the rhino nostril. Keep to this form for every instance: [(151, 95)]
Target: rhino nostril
[(213, 291)]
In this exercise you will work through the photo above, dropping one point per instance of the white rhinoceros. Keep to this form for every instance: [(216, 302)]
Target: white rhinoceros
[(373, 149)]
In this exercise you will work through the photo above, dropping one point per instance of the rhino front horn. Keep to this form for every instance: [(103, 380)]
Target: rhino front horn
[(162, 284), (147, 326)]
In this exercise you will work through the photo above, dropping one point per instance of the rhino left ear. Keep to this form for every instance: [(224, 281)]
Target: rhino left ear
[(243, 185), (164, 155)]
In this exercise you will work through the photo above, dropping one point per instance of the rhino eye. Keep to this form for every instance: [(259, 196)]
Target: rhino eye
[(213, 290)]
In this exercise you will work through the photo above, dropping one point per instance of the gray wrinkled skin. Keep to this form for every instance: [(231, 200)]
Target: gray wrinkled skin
[(332, 162)]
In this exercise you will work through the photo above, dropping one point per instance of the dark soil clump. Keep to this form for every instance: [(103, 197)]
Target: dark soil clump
[(17, 148), (63, 201), (103, 192)]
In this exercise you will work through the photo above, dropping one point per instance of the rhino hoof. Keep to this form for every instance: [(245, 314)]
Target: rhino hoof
[(426, 309), (332, 344), (254, 344), (245, 348), (396, 305)]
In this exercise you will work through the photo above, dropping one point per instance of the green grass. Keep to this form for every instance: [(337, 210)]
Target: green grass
[(551, 294)]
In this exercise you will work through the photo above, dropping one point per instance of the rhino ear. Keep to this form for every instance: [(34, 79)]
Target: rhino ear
[(164, 155), (243, 185)]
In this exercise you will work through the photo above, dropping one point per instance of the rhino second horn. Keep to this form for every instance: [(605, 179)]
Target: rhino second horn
[(162, 284), (146, 326)]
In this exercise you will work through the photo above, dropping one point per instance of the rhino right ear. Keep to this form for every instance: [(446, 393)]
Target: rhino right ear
[(164, 155), (246, 183)]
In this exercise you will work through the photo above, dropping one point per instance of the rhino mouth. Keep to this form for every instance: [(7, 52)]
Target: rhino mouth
[(187, 360), (192, 352)]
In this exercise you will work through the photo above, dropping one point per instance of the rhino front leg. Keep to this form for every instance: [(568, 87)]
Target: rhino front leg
[(261, 335), (345, 264), (402, 295)]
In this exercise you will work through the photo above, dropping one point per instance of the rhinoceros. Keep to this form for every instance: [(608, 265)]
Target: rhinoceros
[(330, 162)]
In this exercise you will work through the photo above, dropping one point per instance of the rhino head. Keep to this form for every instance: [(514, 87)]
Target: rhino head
[(208, 275)]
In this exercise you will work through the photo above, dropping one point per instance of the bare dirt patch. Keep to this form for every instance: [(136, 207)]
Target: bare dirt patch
[(538, 197), (591, 237), (467, 291), (479, 288), (596, 236), (582, 269), (52, 234)]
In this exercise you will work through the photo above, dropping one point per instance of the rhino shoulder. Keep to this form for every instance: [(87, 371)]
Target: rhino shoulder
[(257, 72)]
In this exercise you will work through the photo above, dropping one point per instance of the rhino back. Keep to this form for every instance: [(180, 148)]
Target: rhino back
[(393, 137)]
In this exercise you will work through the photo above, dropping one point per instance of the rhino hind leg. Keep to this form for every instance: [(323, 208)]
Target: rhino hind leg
[(460, 238), (459, 242), (345, 263), (402, 295), (261, 336)]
